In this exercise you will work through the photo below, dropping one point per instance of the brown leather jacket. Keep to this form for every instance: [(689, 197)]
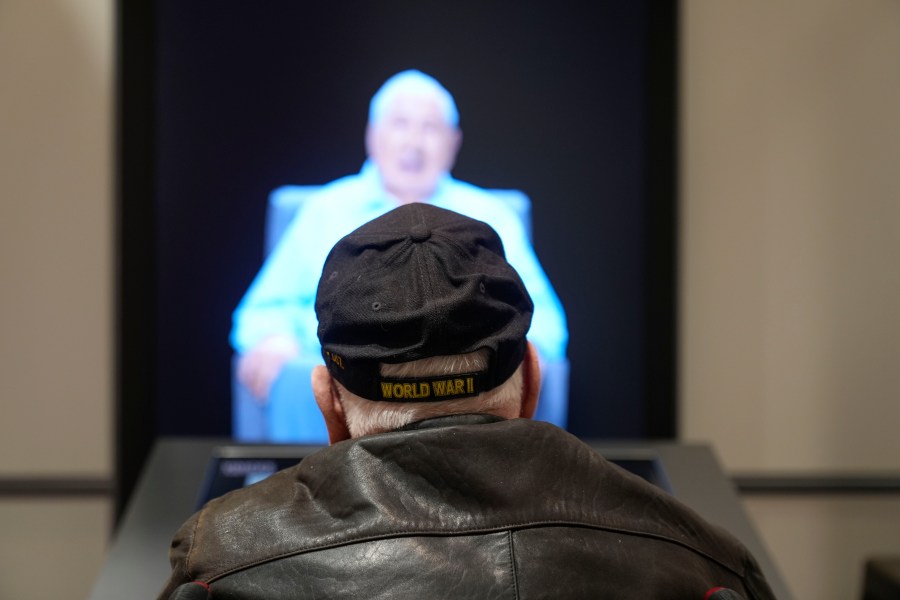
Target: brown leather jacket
[(458, 507)]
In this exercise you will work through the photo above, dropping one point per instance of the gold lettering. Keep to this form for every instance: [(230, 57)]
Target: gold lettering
[(440, 388), (458, 386), (470, 385), (400, 391), (335, 358)]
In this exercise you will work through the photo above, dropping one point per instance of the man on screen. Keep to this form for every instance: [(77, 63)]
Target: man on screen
[(412, 140), (437, 483)]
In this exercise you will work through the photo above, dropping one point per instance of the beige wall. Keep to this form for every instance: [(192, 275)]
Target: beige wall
[(790, 263), (791, 287), (819, 541), (56, 235), (791, 232), (56, 293)]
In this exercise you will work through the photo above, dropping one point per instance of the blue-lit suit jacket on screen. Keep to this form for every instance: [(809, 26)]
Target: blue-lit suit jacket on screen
[(281, 299)]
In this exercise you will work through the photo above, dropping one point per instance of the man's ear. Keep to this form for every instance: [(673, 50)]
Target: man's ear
[(329, 402), (531, 388)]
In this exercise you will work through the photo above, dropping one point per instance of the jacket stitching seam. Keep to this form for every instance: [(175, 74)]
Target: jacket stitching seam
[(738, 570), (512, 564), (194, 534)]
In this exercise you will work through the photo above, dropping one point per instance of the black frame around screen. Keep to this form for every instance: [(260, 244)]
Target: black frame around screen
[(142, 254)]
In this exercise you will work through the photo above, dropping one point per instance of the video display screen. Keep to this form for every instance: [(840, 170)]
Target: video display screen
[(555, 103)]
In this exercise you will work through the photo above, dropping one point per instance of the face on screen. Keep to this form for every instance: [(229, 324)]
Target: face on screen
[(412, 146)]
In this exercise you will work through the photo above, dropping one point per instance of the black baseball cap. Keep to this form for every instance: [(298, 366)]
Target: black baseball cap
[(417, 282)]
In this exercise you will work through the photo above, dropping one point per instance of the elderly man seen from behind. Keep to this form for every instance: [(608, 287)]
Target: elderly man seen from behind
[(437, 483)]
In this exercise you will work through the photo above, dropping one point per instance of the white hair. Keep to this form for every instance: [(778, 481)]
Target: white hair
[(417, 83), (366, 416)]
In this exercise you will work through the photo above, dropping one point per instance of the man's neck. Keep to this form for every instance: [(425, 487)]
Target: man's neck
[(450, 420)]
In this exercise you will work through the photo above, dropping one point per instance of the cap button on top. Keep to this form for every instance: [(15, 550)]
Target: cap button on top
[(419, 233)]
